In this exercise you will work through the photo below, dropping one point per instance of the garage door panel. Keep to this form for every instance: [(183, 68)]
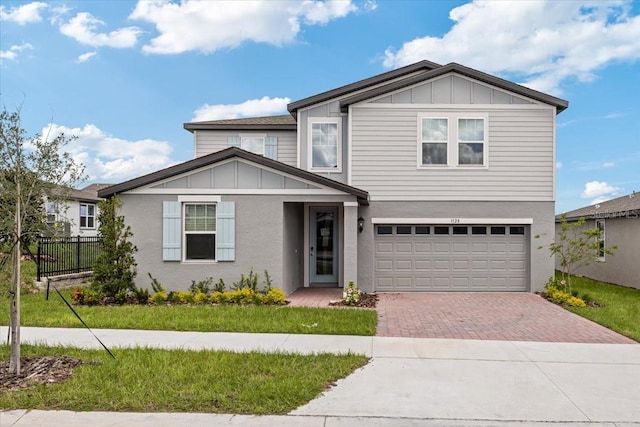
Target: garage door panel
[(448, 262)]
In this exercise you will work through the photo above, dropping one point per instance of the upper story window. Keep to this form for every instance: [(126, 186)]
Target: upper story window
[(199, 231), (254, 144), (325, 144), (451, 141), (53, 212), (87, 215)]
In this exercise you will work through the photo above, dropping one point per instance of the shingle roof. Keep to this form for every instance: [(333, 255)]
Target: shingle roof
[(225, 154), (283, 122), (626, 206)]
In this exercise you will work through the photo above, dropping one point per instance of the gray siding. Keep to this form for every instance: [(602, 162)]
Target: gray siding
[(293, 268), (520, 156), (211, 141), (540, 265), (235, 175), (621, 268), (451, 90)]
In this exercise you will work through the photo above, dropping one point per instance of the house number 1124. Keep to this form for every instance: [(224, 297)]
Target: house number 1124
[(455, 220)]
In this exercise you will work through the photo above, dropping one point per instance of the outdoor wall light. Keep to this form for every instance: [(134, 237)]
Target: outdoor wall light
[(360, 224)]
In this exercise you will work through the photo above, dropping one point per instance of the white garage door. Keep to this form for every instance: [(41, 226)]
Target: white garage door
[(451, 258)]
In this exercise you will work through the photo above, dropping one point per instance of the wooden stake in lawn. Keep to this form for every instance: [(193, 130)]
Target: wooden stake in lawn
[(32, 171)]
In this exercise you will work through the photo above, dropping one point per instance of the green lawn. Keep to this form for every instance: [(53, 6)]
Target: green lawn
[(621, 306), (36, 311), (146, 380)]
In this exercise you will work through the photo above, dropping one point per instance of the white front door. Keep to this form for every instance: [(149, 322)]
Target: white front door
[(323, 245)]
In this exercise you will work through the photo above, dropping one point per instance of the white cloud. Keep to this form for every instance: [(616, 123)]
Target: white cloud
[(541, 42), (209, 26), (599, 191), (57, 13), (83, 26), (558, 165), (608, 164), (264, 106), (111, 159), (22, 15), (85, 57), (12, 52)]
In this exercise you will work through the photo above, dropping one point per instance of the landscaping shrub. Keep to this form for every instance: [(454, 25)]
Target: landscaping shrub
[(557, 292)]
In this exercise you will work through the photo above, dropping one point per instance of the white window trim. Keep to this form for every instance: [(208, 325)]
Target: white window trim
[(603, 238), (453, 141), (262, 136), (80, 216), (185, 232), (319, 120)]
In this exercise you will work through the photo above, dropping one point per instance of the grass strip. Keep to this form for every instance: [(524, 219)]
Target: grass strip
[(151, 380), (36, 311), (620, 309)]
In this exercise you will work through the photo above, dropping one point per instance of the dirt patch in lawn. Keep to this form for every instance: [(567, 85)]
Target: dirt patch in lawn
[(37, 370), (365, 301)]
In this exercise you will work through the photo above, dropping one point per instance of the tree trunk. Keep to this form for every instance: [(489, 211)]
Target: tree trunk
[(14, 363)]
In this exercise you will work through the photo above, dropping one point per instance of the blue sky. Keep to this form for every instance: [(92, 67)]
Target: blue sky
[(124, 75)]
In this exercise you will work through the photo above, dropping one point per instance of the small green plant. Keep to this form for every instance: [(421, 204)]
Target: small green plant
[(142, 296), (351, 294), (219, 286), (249, 282), (155, 284), (556, 290), (203, 286), (267, 282)]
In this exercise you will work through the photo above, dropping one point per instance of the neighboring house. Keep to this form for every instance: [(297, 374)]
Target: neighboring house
[(619, 224), (424, 178), (77, 215)]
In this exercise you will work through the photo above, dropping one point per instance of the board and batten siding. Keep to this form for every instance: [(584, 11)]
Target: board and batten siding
[(520, 155), (212, 141)]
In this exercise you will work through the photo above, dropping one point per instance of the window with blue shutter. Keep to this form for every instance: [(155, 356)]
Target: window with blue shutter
[(226, 222), (171, 231)]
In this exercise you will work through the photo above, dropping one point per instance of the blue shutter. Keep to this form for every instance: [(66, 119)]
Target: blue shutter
[(271, 147), (233, 141), (171, 231), (226, 230)]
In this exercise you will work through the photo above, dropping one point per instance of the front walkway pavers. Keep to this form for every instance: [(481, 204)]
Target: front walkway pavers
[(486, 316)]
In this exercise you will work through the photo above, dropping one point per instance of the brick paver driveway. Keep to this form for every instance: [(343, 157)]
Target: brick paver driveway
[(485, 316)]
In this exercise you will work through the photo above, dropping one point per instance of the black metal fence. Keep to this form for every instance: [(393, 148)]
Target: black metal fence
[(65, 255)]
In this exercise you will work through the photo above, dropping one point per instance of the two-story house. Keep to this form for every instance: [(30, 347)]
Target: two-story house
[(76, 213), (424, 178)]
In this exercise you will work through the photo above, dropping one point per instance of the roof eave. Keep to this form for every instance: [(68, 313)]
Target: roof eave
[(203, 126)]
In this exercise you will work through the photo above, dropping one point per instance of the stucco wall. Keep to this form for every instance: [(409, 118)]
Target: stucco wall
[(259, 243), (542, 213), (621, 268)]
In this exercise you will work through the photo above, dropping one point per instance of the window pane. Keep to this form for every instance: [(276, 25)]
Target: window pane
[(83, 221), (434, 154), (200, 217), (498, 230), (90, 222), (435, 130), (460, 230), (324, 145), (478, 230), (253, 144), (441, 230), (91, 209), (384, 229), (470, 153), (471, 129), (83, 210), (201, 246), (403, 229), (516, 230), (422, 230)]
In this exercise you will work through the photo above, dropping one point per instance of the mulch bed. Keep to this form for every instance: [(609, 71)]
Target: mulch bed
[(36, 371), (365, 301)]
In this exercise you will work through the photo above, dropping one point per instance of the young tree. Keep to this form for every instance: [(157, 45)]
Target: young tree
[(577, 246), (30, 169), (115, 267)]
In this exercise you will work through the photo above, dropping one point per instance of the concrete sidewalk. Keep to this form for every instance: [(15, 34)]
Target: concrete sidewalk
[(410, 381)]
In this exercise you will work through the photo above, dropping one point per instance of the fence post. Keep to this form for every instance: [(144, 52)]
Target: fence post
[(78, 254), (38, 259)]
